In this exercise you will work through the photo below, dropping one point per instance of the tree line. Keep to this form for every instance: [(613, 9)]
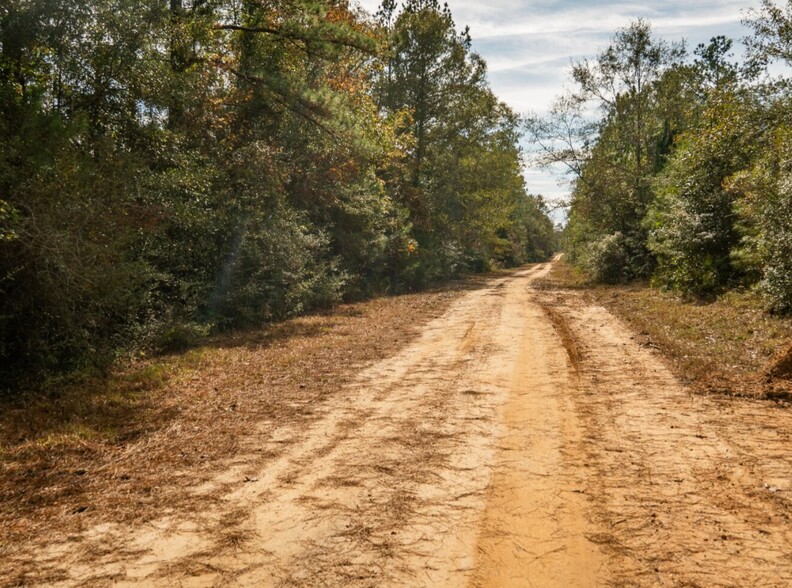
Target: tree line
[(170, 168), (681, 165)]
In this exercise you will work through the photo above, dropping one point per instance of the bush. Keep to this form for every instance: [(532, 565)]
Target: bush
[(277, 267), (692, 223), (180, 337), (765, 209), (777, 247), (607, 259)]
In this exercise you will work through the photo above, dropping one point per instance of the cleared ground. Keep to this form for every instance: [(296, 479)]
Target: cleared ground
[(522, 438)]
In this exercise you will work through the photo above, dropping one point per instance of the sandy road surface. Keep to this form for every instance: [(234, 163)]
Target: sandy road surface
[(524, 439)]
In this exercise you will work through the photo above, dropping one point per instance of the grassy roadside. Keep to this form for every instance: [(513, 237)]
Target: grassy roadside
[(135, 446), (724, 346)]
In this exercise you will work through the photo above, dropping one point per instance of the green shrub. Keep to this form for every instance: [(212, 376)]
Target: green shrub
[(777, 247), (180, 337), (277, 267), (764, 206), (606, 260)]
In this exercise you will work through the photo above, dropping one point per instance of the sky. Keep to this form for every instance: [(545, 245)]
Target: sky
[(529, 45)]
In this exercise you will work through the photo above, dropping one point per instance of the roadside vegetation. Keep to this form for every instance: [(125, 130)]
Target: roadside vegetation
[(680, 164), (169, 170), (730, 346)]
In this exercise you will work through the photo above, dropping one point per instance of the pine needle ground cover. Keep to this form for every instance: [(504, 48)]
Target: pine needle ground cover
[(727, 346), (127, 448)]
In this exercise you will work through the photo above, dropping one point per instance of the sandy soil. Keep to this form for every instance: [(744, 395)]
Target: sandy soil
[(523, 439)]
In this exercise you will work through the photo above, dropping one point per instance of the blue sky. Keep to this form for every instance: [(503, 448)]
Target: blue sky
[(529, 45)]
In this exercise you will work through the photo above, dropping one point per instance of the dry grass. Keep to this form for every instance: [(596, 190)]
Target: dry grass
[(130, 448), (723, 346)]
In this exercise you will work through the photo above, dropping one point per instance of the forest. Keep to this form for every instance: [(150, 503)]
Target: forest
[(681, 165), (170, 169), (173, 169)]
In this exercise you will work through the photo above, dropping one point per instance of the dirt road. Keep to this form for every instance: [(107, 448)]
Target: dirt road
[(523, 439)]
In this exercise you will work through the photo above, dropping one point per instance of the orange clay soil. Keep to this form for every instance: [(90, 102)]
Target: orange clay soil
[(521, 438)]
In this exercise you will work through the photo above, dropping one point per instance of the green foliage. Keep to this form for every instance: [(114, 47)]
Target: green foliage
[(607, 258), (169, 168), (712, 68), (772, 36), (8, 219), (686, 175), (531, 236), (461, 181), (693, 224), (637, 84), (179, 337), (764, 207), (275, 269)]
